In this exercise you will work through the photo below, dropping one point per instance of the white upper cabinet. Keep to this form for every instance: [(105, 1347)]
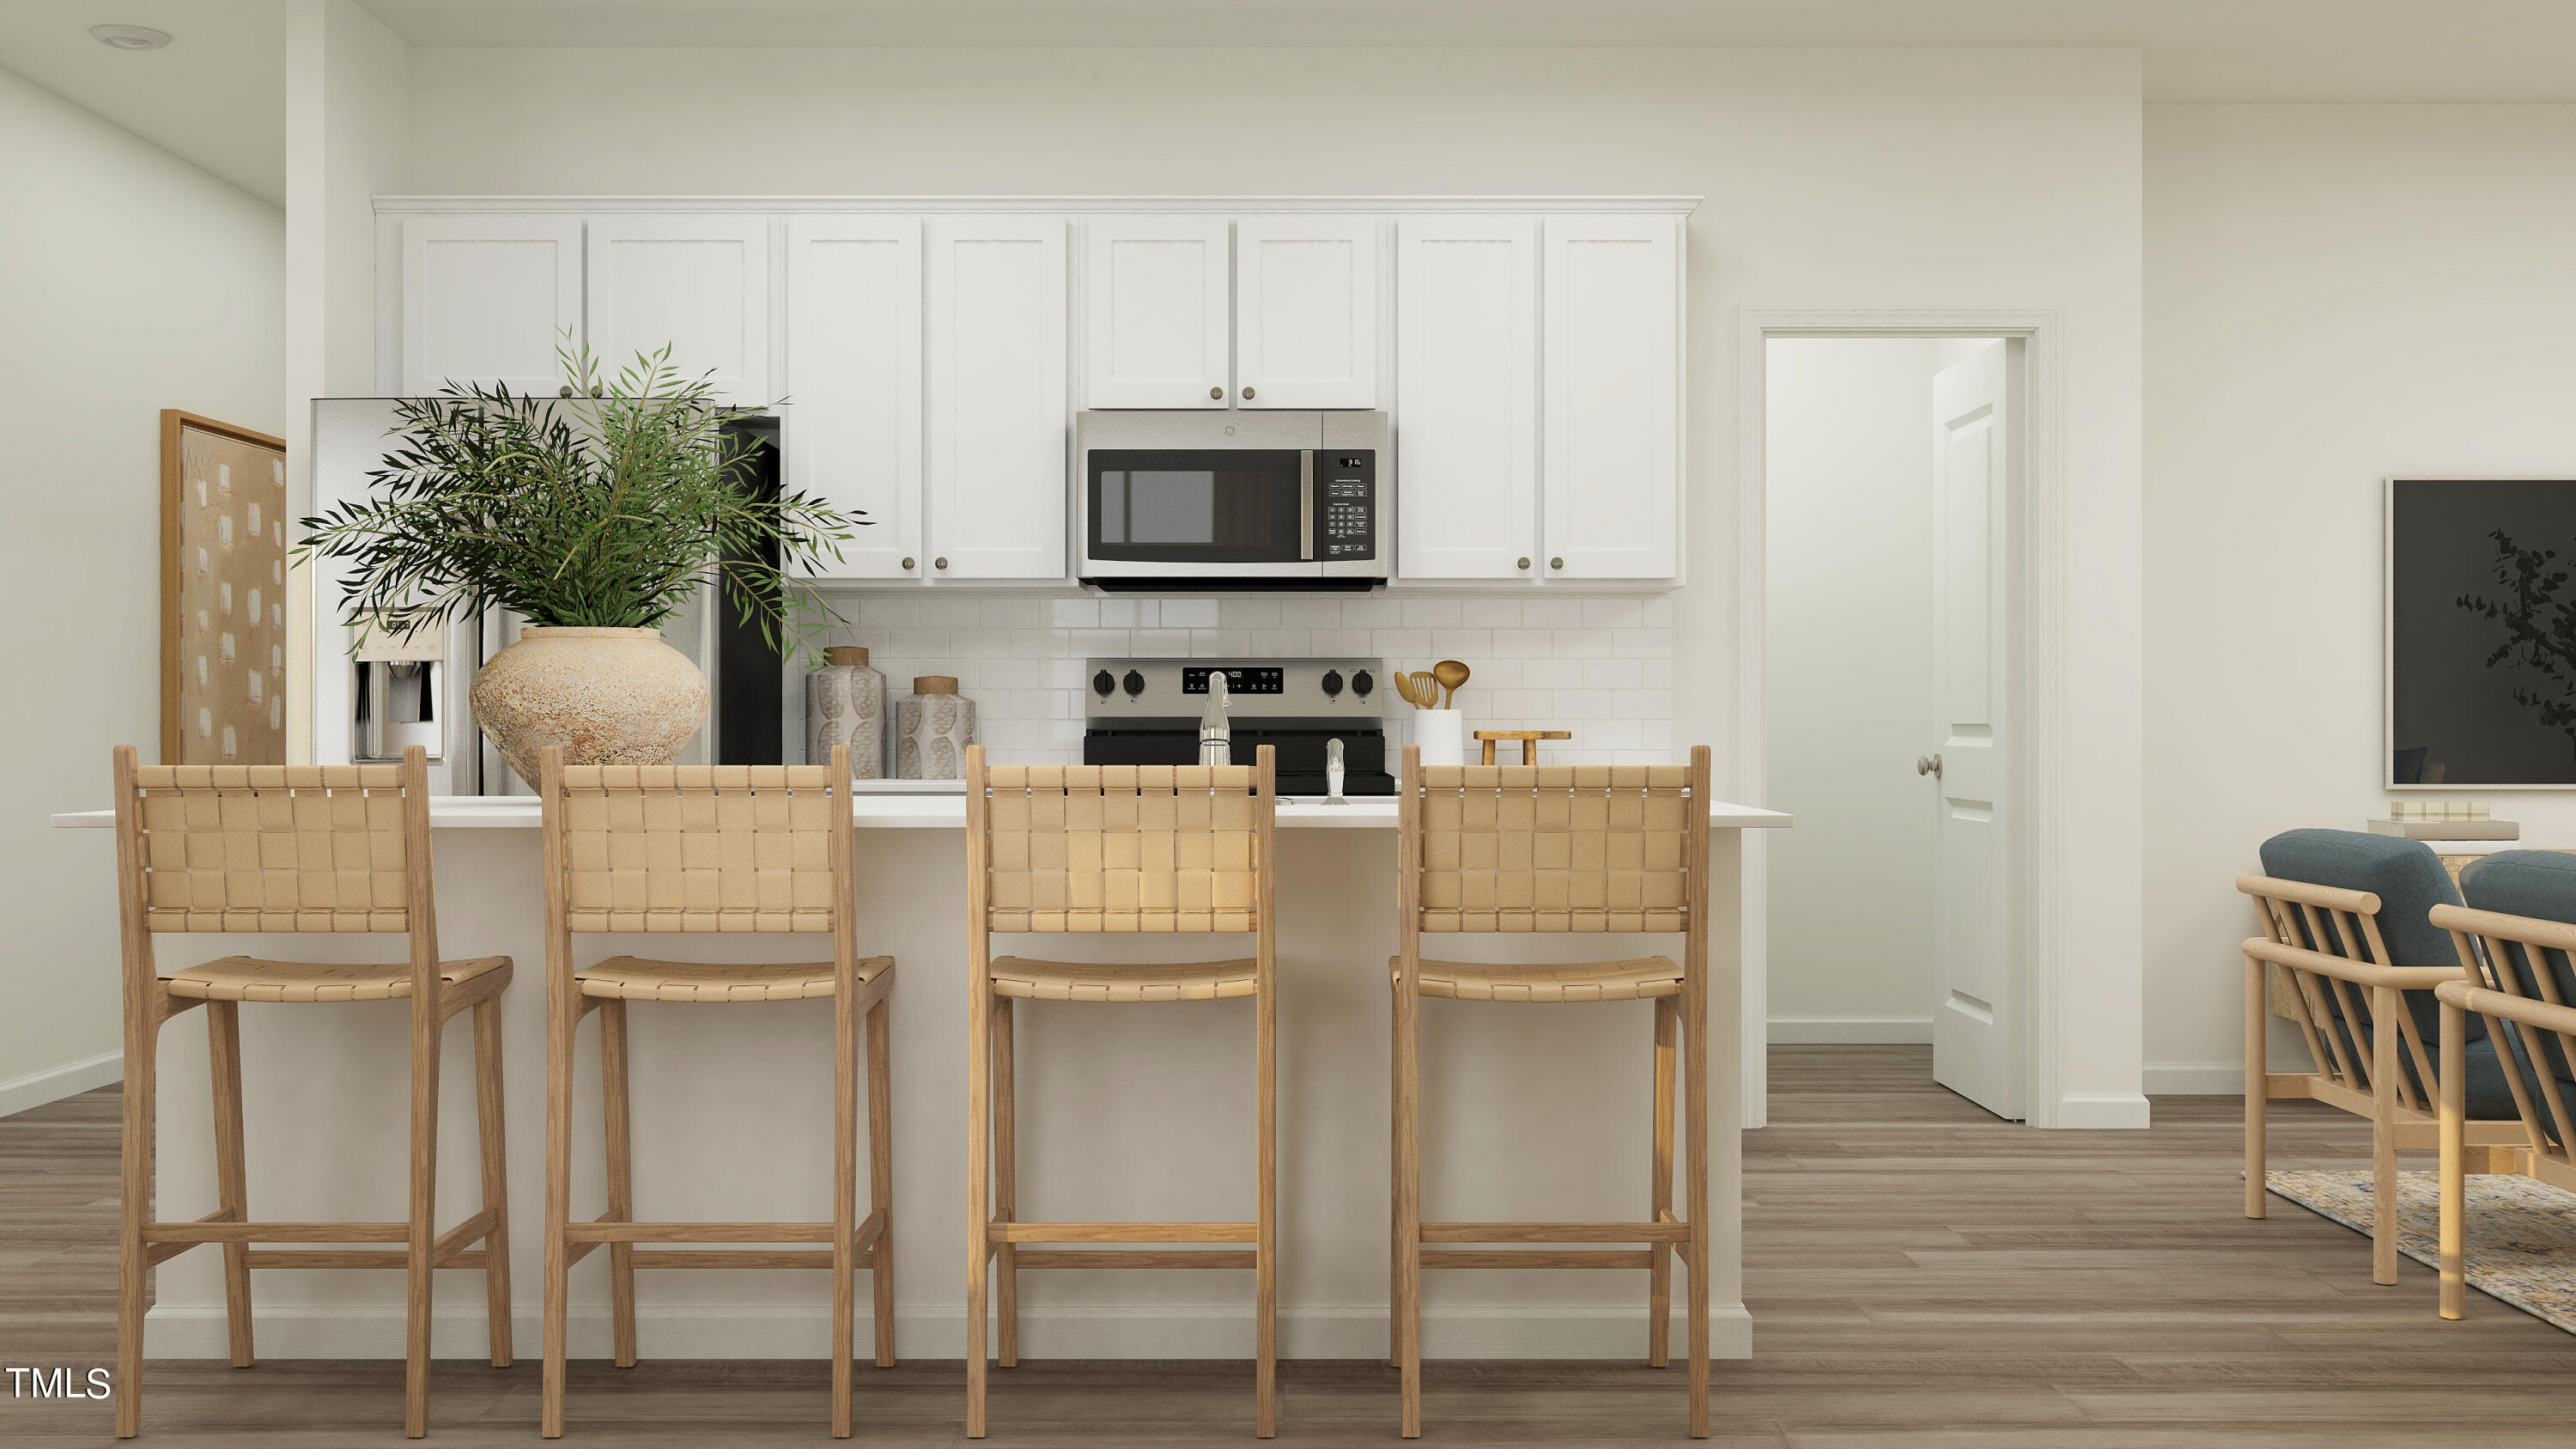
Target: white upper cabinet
[(487, 299), (854, 364), (1612, 397), (1156, 295), (1306, 312), (697, 281), (1466, 397), (997, 402)]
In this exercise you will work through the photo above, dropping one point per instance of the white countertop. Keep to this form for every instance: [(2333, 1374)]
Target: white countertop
[(948, 812)]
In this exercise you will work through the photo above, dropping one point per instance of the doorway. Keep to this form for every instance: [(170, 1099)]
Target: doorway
[(1893, 473)]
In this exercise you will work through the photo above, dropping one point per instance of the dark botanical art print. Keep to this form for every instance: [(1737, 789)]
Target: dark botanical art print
[(2482, 632)]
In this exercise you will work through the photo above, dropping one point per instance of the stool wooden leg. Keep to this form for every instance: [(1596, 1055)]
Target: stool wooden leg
[(614, 1121), (979, 1148), (1695, 1104), (223, 1053), (424, 1206), (1265, 1392), (1006, 1184), (561, 1017), (845, 1186), (1408, 1204), (1394, 1174), (881, 1174), (134, 1209), (1659, 1196), (496, 1167)]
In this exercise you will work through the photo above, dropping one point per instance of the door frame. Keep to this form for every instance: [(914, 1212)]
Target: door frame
[(2035, 592)]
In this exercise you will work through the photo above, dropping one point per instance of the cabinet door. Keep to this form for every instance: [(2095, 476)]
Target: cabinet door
[(853, 426), (1466, 397), (1613, 397), (488, 299), (1155, 310), (1306, 312), (997, 397), (698, 283)]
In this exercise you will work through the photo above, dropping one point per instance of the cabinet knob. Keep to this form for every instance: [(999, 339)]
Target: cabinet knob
[(1556, 563), (1216, 392), (907, 563), (1247, 394), (1524, 563), (564, 391), (939, 563)]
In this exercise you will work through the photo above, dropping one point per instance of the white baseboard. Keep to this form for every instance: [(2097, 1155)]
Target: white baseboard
[(2195, 1079), (55, 1083), (1853, 1030), (2102, 1110), (1113, 1331)]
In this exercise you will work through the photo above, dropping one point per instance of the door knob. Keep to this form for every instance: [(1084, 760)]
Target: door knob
[(1928, 765), (1247, 394), (1216, 392), (939, 563)]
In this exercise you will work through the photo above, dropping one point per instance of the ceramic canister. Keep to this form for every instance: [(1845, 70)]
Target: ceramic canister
[(932, 728), (845, 705)]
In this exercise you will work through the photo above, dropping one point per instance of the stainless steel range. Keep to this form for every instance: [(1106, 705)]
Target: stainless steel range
[(1154, 712)]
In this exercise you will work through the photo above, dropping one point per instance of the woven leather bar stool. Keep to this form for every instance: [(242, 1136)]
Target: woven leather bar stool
[(293, 849), (721, 848), (1082, 849), (1557, 848)]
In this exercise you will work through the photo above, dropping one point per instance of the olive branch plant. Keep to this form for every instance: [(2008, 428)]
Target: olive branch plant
[(2540, 628), (607, 507)]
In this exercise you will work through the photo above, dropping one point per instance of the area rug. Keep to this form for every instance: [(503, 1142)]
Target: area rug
[(2521, 1234)]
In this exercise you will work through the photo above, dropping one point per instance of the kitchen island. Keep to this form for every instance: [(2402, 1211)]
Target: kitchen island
[(1529, 1113)]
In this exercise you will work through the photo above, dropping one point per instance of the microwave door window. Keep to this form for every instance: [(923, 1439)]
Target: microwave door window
[(1185, 508), (1178, 507)]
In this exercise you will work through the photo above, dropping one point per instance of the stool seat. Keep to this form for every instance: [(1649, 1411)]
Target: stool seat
[(632, 978), (1641, 979), (246, 978), (1092, 981)]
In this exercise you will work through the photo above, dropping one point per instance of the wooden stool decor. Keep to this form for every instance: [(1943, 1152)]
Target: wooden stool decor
[(1529, 741), (652, 848), (294, 848), (1112, 849), (1557, 848)]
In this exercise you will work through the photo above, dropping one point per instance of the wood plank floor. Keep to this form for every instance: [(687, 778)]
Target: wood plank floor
[(1920, 1275)]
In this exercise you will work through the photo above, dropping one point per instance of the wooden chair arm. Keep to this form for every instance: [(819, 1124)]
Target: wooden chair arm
[(2359, 973), (2299, 892), (2529, 930), (2470, 997)]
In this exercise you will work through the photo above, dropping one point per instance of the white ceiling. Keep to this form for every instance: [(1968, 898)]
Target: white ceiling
[(215, 95)]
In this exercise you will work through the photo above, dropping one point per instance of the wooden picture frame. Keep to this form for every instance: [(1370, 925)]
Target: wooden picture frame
[(192, 550)]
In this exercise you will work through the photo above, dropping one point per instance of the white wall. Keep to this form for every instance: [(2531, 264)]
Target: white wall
[(1847, 685), (2338, 294), (130, 281), (1846, 178)]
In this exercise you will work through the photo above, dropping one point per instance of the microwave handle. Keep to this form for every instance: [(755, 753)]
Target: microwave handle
[(1306, 505)]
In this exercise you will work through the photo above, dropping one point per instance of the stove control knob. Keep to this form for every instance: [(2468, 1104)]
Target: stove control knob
[(1102, 683), (1362, 682), (1134, 683), (1332, 683)]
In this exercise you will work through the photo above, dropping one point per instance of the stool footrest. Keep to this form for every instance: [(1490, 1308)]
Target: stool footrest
[(1540, 1258), (745, 1258), (1009, 1232), (1116, 1258), (355, 1258), (625, 1232), (1659, 1232), (211, 1231)]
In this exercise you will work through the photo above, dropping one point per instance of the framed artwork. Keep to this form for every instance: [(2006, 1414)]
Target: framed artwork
[(2481, 630), (223, 593)]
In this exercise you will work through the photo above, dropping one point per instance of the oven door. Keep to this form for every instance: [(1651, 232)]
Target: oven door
[(1244, 513)]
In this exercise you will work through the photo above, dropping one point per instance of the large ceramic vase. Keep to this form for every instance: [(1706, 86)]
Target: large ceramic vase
[(608, 696)]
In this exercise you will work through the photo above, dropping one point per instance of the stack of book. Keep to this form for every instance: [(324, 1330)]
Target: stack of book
[(2444, 820)]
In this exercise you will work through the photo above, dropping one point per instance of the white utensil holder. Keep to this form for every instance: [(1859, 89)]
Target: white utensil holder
[(1442, 736)]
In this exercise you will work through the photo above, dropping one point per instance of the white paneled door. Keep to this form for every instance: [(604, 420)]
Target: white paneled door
[(487, 299), (1612, 394), (698, 281), (1306, 312), (1156, 308), (1976, 1010), (854, 366), (997, 397), (1466, 389)]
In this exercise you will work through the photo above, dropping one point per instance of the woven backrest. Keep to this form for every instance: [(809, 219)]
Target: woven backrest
[(1152, 848), (699, 847), (1554, 847), (271, 847)]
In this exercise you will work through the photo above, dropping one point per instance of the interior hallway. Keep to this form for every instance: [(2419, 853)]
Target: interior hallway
[(1920, 1275)]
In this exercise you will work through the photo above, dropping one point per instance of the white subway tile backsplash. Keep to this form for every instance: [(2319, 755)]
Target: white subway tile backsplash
[(1403, 648), (1524, 643), (1614, 673), (1220, 643), (1015, 614), (1310, 613), (1582, 704), (1189, 614), (1159, 643), (1338, 642), (1490, 613), (1074, 613), (1611, 613), (919, 643), (1645, 643), (1130, 613), (1552, 613), (1100, 643), (1581, 643), (1372, 613), (1248, 613), (1552, 673), (1431, 613), (1462, 644), (980, 643), (1281, 643), (1658, 673), (1643, 703)]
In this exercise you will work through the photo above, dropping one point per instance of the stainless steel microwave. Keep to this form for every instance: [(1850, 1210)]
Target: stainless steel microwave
[(1234, 500)]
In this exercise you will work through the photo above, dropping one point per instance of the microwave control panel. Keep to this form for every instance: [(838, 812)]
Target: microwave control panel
[(1347, 527)]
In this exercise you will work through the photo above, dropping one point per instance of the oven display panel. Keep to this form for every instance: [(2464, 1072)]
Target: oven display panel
[(1244, 680)]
